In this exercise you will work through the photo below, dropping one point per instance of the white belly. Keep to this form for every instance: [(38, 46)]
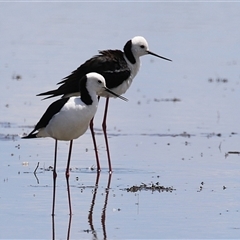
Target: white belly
[(71, 122)]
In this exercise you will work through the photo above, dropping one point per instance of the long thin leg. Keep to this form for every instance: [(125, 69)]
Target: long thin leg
[(67, 177), (104, 127), (95, 143), (69, 159), (54, 178)]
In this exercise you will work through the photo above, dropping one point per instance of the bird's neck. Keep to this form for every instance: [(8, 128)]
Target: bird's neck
[(128, 52), (88, 97), (134, 67), (130, 57), (133, 61)]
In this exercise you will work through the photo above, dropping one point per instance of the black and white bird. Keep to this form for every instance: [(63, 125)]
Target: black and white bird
[(68, 118), (117, 67)]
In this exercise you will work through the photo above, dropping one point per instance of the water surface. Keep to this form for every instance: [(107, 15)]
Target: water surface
[(177, 129)]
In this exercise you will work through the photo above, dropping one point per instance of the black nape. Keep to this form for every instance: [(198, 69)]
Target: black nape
[(128, 52), (85, 97)]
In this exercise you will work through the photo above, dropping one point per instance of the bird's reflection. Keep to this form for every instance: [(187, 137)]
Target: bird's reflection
[(90, 215), (103, 217), (53, 227), (68, 229), (91, 210)]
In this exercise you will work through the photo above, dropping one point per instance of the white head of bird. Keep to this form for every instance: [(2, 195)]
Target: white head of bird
[(138, 47), (96, 83)]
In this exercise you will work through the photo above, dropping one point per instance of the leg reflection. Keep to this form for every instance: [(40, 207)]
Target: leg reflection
[(53, 228), (69, 227), (90, 215), (103, 217)]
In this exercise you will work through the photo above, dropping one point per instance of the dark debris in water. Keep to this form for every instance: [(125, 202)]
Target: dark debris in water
[(8, 137), (232, 153), (17, 77), (209, 135), (218, 80), (213, 134), (183, 134), (167, 100), (153, 187), (5, 125)]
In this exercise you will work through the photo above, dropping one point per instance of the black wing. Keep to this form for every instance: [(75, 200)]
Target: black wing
[(110, 63), (53, 109)]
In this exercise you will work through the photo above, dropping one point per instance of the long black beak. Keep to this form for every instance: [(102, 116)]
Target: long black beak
[(116, 95), (154, 54)]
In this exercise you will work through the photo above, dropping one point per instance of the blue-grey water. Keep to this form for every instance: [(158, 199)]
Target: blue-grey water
[(180, 127)]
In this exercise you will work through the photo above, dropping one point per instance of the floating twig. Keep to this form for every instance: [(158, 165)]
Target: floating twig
[(35, 173), (233, 152), (36, 168)]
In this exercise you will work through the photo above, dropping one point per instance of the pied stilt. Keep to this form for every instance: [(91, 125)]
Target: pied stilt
[(68, 118)]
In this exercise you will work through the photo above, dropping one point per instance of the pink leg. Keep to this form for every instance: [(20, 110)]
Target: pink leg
[(54, 178), (95, 143), (104, 127), (67, 177)]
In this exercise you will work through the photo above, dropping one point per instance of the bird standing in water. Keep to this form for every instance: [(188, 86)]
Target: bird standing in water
[(117, 67), (68, 118)]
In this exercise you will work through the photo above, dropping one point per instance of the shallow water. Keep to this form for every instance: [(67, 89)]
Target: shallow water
[(179, 129)]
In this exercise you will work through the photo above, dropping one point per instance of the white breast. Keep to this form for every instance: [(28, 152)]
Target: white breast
[(121, 89)]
